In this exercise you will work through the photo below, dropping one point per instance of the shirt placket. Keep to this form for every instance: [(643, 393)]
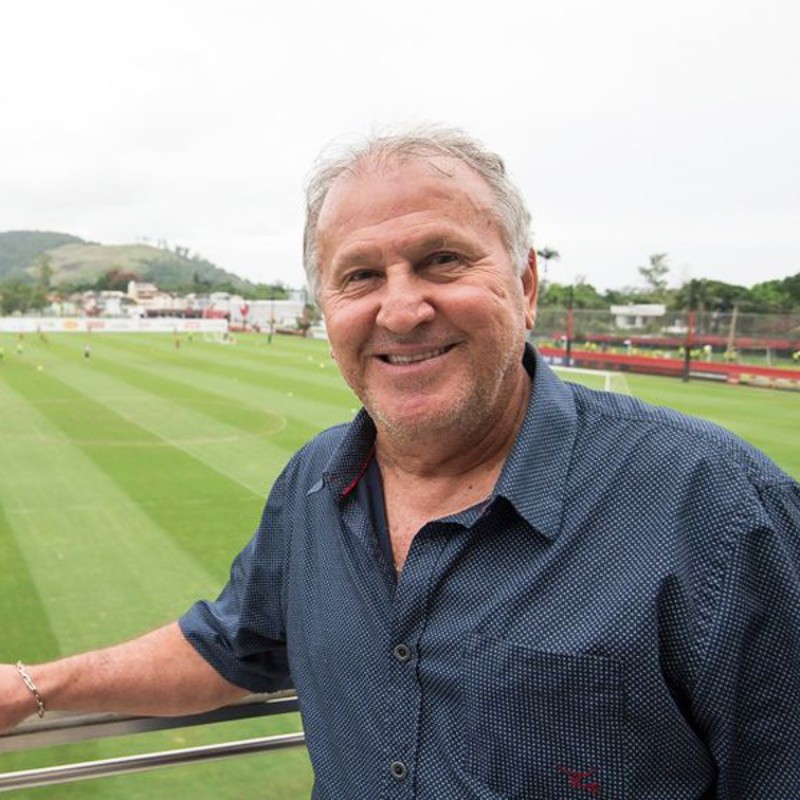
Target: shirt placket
[(404, 695)]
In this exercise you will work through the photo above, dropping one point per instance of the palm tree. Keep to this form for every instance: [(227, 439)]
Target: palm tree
[(547, 254)]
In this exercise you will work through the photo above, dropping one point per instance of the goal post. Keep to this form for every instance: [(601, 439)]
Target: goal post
[(604, 380)]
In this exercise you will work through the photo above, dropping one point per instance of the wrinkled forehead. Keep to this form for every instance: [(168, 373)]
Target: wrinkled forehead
[(380, 177)]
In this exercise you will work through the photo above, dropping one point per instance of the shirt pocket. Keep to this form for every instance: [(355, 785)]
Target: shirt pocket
[(543, 725)]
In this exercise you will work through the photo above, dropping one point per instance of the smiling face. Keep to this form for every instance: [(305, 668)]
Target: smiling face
[(425, 312)]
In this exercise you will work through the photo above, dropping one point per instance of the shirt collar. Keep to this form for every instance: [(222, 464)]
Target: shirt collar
[(534, 476), (351, 457)]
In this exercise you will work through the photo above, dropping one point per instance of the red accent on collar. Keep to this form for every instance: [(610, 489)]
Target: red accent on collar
[(346, 491)]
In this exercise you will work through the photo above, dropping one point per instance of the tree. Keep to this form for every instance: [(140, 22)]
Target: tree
[(580, 295), (115, 279), (17, 295), (269, 291), (546, 255), (655, 275), (44, 270), (776, 295), (702, 294), (200, 285), (791, 286)]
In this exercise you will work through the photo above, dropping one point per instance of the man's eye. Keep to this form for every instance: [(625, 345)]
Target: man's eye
[(439, 259), (359, 276)]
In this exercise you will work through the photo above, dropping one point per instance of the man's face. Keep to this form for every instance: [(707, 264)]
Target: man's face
[(425, 312)]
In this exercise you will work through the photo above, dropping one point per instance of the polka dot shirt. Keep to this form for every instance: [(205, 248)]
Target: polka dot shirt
[(621, 620)]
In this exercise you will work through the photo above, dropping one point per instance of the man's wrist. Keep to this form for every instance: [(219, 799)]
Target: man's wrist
[(32, 688)]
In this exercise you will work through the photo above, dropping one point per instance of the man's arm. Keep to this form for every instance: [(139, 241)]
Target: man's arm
[(158, 674)]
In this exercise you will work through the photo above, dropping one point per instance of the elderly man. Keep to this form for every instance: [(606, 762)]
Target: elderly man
[(491, 583)]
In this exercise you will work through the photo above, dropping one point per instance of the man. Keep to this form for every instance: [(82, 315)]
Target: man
[(490, 584)]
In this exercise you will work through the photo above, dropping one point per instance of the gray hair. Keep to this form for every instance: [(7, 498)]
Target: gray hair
[(426, 142)]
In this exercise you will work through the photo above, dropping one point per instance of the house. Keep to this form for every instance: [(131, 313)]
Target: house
[(637, 316)]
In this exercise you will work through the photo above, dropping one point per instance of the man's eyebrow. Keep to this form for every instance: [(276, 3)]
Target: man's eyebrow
[(416, 246), (357, 254), (443, 238), (435, 242)]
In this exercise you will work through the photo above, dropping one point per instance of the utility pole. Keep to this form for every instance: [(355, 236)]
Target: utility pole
[(731, 343), (687, 348), (570, 322)]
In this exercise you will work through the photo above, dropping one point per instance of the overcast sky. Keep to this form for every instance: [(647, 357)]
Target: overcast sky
[(633, 126)]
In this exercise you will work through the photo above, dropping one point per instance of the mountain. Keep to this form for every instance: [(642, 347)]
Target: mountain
[(19, 249), (76, 262)]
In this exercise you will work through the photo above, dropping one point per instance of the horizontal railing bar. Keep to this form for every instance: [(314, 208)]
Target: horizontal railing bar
[(57, 729), (124, 765)]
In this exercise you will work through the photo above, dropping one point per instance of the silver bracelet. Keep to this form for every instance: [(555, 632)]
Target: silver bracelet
[(28, 681)]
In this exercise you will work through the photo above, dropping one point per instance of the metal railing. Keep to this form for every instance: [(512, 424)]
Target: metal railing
[(70, 728)]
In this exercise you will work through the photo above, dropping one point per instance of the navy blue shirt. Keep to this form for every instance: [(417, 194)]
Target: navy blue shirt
[(621, 620)]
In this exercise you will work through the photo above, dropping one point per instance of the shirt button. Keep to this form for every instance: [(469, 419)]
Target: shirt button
[(402, 652), (398, 770)]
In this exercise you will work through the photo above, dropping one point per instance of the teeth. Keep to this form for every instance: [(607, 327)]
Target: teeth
[(418, 357)]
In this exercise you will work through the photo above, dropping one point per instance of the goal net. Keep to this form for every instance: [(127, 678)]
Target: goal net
[(595, 379), (217, 337)]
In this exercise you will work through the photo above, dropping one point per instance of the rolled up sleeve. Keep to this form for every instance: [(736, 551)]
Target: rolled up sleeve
[(241, 634)]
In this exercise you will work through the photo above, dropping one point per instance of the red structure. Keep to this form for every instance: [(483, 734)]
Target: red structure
[(674, 367)]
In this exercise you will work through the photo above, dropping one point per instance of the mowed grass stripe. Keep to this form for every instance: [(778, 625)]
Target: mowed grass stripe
[(286, 775), (249, 399), (303, 367), (26, 631), (193, 422), (291, 356), (282, 421), (102, 568), (23, 425), (202, 510)]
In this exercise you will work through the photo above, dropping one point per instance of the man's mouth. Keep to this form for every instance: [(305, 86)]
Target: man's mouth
[(399, 360)]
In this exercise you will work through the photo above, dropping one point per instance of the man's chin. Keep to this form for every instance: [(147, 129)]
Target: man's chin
[(404, 425)]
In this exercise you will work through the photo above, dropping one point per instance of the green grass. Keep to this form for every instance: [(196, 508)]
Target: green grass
[(130, 480), (767, 418)]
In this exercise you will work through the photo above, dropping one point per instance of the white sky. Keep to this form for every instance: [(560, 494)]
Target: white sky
[(632, 126)]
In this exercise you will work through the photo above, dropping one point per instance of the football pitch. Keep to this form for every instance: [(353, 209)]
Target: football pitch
[(132, 477)]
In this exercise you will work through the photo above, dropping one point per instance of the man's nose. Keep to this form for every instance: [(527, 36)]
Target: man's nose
[(404, 303)]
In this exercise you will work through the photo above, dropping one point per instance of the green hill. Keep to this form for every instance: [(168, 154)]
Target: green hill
[(19, 249), (78, 263)]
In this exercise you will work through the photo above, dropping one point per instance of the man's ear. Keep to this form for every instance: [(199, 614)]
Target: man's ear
[(530, 288)]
